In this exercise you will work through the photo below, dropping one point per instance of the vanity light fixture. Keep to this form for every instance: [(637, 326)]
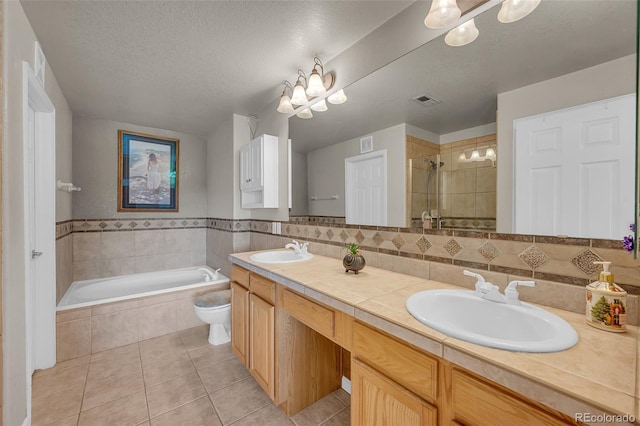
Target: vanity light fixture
[(489, 154), (442, 14), (514, 10), (320, 106), (337, 98), (305, 114), (319, 82), (285, 106), (462, 34), (299, 96)]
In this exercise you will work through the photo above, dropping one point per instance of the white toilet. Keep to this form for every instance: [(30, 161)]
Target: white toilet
[(215, 309)]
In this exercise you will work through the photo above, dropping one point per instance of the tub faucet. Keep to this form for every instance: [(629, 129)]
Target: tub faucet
[(295, 246)]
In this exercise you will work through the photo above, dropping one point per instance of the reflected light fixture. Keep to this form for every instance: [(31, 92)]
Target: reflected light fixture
[(337, 98), (305, 114), (320, 106), (514, 10), (285, 106), (299, 96), (442, 14), (462, 34)]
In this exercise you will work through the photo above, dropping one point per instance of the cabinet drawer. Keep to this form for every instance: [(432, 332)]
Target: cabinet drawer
[(475, 402), (263, 287), (413, 369), (240, 275), (317, 317)]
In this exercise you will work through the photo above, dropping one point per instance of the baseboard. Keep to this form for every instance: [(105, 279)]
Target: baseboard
[(346, 385)]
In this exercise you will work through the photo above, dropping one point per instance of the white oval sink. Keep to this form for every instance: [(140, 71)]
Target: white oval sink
[(280, 256), (461, 314)]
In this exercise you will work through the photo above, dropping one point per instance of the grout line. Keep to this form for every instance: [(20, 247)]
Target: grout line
[(144, 384), (335, 415), (248, 414), (84, 389)]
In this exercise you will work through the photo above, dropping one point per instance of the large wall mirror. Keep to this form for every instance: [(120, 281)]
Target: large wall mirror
[(534, 116)]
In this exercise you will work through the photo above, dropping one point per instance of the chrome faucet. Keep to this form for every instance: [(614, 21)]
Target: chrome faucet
[(491, 291)]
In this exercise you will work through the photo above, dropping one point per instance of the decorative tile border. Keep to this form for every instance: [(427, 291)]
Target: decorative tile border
[(64, 229), (129, 224)]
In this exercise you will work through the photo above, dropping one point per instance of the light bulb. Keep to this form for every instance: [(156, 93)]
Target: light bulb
[(316, 86), (491, 154), (305, 114), (442, 13), (320, 106), (299, 96), (337, 98), (462, 34), (475, 155), (285, 106), (514, 10)]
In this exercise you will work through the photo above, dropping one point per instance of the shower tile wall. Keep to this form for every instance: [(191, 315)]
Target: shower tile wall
[(225, 236), (418, 149), (108, 253), (64, 257)]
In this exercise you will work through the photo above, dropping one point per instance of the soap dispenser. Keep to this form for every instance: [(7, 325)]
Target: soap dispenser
[(606, 302)]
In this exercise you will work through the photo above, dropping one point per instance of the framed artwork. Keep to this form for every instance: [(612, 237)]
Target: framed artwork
[(147, 173)]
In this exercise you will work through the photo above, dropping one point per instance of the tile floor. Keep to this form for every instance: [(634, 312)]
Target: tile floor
[(177, 379)]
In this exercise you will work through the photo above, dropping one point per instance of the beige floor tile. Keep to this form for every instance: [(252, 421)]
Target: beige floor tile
[(174, 393), (56, 407), (270, 415), (318, 412), (343, 418), (117, 355), (210, 354), (222, 374), (197, 413), (162, 348), (160, 371), (69, 421), (195, 337), (236, 401), (106, 368), (59, 381), (129, 410), (63, 365), (102, 389), (343, 396)]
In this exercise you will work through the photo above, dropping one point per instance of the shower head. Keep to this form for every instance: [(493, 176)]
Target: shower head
[(434, 165)]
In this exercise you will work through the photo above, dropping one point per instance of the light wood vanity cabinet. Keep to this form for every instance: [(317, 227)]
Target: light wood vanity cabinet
[(261, 343), (240, 314)]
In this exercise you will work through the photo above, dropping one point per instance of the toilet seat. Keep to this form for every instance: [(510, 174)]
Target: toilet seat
[(214, 301)]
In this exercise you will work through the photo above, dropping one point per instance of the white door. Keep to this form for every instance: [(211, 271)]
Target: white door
[(574, 170), (366, 189), (39, 223)]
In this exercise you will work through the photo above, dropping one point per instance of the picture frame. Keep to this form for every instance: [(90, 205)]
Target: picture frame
[(147, 172)]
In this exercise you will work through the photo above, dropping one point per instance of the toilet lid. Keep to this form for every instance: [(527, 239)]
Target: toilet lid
[(214, 299)]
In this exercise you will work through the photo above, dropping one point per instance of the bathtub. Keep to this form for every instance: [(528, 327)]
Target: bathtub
[(106, 290), (96, 315)]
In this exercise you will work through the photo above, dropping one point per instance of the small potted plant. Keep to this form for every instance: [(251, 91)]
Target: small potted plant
[(353, 261)]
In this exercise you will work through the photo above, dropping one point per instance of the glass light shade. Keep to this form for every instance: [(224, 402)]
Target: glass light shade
[(514, 10), (285, 106), (316, 86), (442, 13), (462, 34), (475, 155), (462, 157), (305, 114), (320, 106), (299, 97), (337, 98), (491, 154)]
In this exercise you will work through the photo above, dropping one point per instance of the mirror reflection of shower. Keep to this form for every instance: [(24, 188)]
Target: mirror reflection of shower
[(432, 212)]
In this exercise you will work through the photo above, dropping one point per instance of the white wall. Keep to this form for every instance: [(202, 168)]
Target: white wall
[(241, 136), (325, 173), (602, 81), (220, 171), (95, 169), (423, 134), (18, 41), (472, 132)]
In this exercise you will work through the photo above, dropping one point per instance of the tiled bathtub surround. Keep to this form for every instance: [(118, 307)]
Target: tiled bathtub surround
[(560, 266), (64, 257), (225, 236), (128, 250), (93, 329)]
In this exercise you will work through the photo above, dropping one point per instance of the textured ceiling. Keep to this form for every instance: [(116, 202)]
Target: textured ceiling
[(187, 66), (559, 37)]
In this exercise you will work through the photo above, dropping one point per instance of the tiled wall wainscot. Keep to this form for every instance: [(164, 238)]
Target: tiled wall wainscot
[(226, 236), (561, 267), (97, 328), (64, 257), (111, 248)]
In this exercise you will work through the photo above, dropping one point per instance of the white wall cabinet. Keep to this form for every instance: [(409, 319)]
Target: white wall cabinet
[(259, 173)]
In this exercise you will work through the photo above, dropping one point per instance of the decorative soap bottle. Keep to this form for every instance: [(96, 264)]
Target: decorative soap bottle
[(606, 302)]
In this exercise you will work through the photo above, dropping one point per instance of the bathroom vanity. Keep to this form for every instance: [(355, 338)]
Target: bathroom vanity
[(300, 327)]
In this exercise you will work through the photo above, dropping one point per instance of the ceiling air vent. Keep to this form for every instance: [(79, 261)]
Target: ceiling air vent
[(426, 100)]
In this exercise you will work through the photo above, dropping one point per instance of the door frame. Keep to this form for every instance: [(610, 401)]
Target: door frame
[(348, 167), (40, 304)]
